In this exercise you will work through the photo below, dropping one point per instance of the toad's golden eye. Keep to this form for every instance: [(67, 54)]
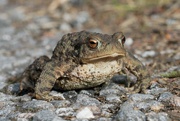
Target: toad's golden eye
[(93, 43)]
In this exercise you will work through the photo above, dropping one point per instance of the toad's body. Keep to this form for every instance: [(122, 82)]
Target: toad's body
[(90, 75), (82, 60)]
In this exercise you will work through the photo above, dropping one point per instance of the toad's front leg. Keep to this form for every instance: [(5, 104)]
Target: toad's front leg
[(139, 70), (46, 82)]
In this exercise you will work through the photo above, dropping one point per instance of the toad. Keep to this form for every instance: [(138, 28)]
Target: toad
[(83, 60)]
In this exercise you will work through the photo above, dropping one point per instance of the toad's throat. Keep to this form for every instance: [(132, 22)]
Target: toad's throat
[(108, 57)]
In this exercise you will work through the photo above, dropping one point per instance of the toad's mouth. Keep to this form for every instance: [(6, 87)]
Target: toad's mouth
[(107, 57)]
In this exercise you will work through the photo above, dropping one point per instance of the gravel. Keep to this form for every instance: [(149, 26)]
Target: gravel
[(37, 105), (128, 113), (46, 115), (37, 35)]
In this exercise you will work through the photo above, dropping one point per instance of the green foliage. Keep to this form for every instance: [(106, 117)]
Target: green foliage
[(171, 74)]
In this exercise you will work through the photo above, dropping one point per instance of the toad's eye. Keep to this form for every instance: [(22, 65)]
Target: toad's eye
[(93, 43)]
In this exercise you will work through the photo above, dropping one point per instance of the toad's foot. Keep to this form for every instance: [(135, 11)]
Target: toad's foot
[(141, 86)]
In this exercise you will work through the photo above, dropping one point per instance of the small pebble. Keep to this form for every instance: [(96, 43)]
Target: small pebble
[(85, 100), (13, 88), (35, 105), (165, 97), (84, 113), (46, 115), (129, 41), (154, 116), (140, 97), (128, 113), (150, 104), (65, 27), (65, 111), (161, 81), (25, 115), (150, 53), (157, 91), (113, 99), (60, 103), (175, 100)]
